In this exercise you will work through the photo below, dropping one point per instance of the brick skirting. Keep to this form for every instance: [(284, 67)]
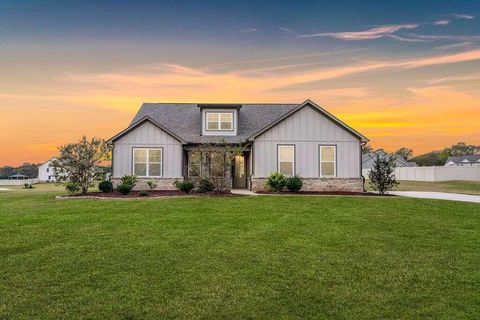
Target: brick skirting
[(319, 184), (162, 183)]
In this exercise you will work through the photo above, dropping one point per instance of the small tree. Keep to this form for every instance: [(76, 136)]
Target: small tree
[(382, 174), (405, 153), (78, 162)]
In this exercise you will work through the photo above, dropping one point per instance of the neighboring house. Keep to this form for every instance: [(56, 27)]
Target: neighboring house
[(162, 143), (369, 158), (469, 160), (45, 171)]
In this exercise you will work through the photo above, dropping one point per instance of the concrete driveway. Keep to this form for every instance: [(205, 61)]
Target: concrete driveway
[(437, 195)]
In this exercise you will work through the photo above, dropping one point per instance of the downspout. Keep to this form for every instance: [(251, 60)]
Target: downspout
[(361, 171)]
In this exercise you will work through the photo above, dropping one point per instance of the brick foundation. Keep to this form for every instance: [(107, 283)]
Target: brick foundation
[(319, 184), (162, 183)]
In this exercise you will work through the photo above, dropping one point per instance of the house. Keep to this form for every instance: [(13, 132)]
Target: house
[(169, 141), (45, 171), (369, 158), (469, 160)]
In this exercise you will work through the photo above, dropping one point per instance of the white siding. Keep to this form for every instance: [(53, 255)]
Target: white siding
[(147, 135), (307, 129), (45, 171)]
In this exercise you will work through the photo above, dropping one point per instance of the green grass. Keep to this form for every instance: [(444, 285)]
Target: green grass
[(466, 187), (235, 258)]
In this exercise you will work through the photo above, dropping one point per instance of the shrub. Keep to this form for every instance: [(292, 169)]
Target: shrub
[(124, 188), (143, 194), (294, 183), (28, 186), (184, 186), (276, 182), (72, 187), (382, 174), (105, 186), (205, 185), (152, 185), (130, 180)]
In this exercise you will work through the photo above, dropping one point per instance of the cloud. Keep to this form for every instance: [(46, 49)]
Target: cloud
[(374, 33), (441, 22), (287, 30), (462, 16), (250, 30)]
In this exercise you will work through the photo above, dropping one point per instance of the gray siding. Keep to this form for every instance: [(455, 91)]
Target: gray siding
[(307, 129), (147, 135)]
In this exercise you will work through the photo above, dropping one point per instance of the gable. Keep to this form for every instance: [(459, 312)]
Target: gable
[(146, 133), (307, 124)]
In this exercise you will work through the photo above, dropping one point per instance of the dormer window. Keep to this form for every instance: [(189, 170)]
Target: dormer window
[(219, 121)]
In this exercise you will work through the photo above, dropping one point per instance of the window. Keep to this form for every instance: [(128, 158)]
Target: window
[(194, 164), (48, 169), (220, 121), (328, 163), (147, 162), (217, 164), (286, 160)]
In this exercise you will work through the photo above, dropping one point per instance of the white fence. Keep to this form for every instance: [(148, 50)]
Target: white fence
[(6, 182), (434, 173)]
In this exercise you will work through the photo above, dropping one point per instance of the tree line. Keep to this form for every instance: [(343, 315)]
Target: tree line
[(432, 158)]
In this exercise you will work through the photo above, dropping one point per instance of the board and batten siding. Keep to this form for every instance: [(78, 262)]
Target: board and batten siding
[(307, 129), (147, 135)]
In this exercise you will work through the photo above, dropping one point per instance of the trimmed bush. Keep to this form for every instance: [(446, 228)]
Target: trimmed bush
[(131, 180), (184, 186), (276, 182), (27, 186), (72, 187), (143, 194), (105, 186), (124, 188), (205, 185), (152, 185), (294, 183)]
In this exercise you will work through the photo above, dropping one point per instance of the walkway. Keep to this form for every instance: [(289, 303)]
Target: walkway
[(243, 192), (438, 195)]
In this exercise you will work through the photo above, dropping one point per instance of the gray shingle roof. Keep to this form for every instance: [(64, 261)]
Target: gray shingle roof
[(470, 157), (184, 119)]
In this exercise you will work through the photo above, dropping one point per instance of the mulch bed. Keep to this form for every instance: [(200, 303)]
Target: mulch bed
[(324, 193), (151, 194)]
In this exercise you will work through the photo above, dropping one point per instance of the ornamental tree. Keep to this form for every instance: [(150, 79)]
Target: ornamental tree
[(79, 162), (382, 174)]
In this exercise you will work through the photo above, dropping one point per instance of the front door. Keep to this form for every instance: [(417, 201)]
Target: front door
[(240, 176)]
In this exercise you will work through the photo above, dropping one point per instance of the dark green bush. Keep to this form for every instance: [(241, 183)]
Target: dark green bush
[(105, 186), (184, 186), (294, 183), (205, 185), (131, 180), (28, 186), (276, 182), (124, 188), (143, 194), (72, 187)]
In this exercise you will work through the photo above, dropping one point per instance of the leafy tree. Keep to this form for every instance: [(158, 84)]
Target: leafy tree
[(461, 149), (28, 169), (382, 174), (405, 153), (367, 148), (78, 162)]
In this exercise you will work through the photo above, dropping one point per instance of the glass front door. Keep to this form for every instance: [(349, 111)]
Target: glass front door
[(240, 176)]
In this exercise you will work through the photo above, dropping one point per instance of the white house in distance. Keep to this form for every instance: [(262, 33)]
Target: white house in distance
[(469, 160), (162, 143), (45, 171)]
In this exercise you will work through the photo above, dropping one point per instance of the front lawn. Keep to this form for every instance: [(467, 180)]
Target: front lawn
[(275, 257), (466, 187)]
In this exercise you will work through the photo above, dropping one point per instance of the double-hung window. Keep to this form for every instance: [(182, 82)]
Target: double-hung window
[(219, 121), (147, 162), (286, 160), (328, 161)]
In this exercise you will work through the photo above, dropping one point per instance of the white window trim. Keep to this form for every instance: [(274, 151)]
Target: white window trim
[(147, 163), (219, 121), (279, 146), (320, 161)]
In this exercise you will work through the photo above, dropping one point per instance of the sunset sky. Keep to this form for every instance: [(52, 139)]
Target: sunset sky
[(403, 73)]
